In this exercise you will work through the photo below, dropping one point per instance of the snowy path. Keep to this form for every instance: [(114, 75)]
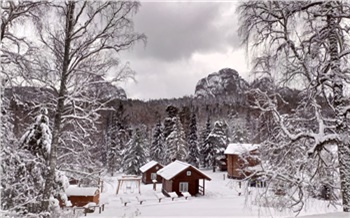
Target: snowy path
[(221, 200)]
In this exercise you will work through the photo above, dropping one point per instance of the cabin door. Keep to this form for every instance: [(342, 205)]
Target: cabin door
[(183, 186)]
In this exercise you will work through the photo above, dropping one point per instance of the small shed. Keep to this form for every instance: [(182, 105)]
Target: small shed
[(149, 172), (182, 177), (241, 159), (80, 196)]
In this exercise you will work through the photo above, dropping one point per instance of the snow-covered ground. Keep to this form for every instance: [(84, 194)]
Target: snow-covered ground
[(221, 200)]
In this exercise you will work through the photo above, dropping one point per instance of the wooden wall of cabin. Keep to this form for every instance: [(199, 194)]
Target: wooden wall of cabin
[(80, 201), (146, 177), (236, 164), (167, 185), (193, 181)]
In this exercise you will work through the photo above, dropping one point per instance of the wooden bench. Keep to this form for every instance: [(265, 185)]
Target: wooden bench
[(173, 195), (88, 208), (186, 194), (140, 198), (125, 201), (159, 196)]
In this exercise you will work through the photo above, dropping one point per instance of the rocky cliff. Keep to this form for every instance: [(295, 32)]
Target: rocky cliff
[(226, 82)]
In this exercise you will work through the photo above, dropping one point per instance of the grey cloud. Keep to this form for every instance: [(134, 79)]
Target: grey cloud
[(167, 66), (177, 30)]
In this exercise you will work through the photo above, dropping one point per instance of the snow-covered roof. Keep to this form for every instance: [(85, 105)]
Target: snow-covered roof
[(238, 148), (148, 166), (176, 167), (74, 190), (254, 168)]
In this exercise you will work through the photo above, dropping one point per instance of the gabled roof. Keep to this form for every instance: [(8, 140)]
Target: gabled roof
[(73, 190), (173, 169), (148, 166), (238, 148)]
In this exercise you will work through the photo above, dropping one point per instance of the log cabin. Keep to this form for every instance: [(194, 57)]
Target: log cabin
[(242, 160), (182, 177), (149, 172), (80, 196)]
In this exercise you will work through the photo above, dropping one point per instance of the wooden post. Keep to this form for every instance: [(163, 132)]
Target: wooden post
[(99, 179), (224, 176), (99, 209), (155, 186), (119, 181), (203, 186), (140, 186)]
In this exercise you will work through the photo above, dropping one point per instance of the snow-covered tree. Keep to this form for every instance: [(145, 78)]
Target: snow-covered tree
[(157, 147), (217, 141), (38, 138), (17, 51), (177, 148), (113, 152), (305, 42), (10, 160), (169, 123), (239, 130), (205, 149), (193, 151), (28, 168), (219, 137), (134, 155), (117, 137), (82, 45)]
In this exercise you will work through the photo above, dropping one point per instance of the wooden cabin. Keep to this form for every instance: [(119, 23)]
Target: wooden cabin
[(80, 196), (182, 177), (149, 172), (242, 160)]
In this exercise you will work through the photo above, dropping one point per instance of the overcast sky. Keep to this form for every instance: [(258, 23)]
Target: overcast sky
[(185, 42)]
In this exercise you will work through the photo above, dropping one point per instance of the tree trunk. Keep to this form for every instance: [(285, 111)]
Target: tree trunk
[(214, 164), (342, 126), (59, 108)]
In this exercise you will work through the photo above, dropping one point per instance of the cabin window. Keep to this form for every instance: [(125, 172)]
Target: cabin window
[(188, 173), (183, 186), (153, 176)]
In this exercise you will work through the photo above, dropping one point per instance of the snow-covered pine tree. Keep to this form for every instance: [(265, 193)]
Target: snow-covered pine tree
[(193, 151), (157, 147), (10, 160), (29, 168), (117, 137), (113, 155), (218, 140), (204, 148), (176, 144), (38, 138), (185, 118), (134, 155), (169, 123)]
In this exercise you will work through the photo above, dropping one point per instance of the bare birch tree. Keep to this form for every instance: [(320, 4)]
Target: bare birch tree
[(81, 45), (305, 44)]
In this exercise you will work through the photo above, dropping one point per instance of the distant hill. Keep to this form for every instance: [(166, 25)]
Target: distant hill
[(101, 89)]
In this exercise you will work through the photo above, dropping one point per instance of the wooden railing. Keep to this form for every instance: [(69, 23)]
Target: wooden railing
[(200, 189)]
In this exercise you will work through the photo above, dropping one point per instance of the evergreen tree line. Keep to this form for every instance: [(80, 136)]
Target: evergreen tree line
[(128, 148)]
